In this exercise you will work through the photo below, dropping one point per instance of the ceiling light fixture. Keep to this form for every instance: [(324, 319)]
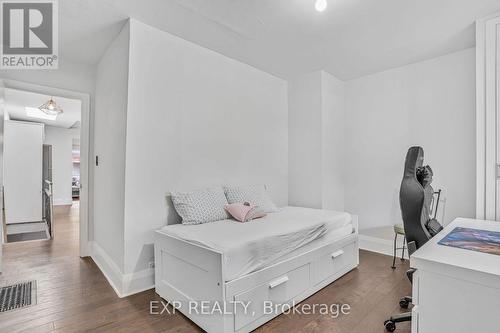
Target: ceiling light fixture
[(320, 5), (51, 108)]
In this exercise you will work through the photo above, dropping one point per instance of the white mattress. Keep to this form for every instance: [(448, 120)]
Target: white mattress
[(250, 246)]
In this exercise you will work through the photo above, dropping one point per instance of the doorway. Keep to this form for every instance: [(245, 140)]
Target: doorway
[(62, 159)]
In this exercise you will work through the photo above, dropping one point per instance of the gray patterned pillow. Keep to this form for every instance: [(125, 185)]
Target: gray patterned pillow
[(254, 194), (200, 206)]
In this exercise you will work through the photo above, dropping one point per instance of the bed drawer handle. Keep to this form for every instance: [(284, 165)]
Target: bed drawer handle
[(337, 254), (278, 281)]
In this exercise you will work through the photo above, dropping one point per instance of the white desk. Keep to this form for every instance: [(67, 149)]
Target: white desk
[(456, 290)]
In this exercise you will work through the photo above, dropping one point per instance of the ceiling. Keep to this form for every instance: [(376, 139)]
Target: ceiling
[(352, 38), (17, 100)]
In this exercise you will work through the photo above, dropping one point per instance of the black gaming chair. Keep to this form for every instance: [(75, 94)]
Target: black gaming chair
[(415, 197)]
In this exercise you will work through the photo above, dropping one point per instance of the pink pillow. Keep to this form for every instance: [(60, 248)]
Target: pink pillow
[(244, 212)]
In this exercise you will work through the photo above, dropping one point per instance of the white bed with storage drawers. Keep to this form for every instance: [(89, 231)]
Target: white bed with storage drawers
[(282, 258)]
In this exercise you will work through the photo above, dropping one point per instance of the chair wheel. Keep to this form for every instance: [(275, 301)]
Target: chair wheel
[(404, 304), (390, 326)]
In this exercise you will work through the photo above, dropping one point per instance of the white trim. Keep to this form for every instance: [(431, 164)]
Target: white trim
[(480, 121), (379, 245), (123, 284), (490, 119), (137, 282), (85, 195), (108, 267), (486, 116)]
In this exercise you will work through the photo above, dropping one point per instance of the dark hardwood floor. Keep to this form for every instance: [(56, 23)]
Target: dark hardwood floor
[(73, 295)]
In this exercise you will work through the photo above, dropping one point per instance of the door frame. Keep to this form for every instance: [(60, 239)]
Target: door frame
[(487, 123), (85, 126)]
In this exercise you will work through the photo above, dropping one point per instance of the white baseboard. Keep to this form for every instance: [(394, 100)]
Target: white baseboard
[(137, 282), (379, 245), (123, 284), (108, 267)]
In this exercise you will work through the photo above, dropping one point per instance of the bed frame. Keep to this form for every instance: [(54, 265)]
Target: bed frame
[(192, 278)]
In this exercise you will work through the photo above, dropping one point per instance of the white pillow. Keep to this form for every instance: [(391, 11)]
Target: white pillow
[(201, 206), (254, 194)]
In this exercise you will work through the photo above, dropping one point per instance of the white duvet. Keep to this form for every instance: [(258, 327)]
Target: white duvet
[(250, 246)]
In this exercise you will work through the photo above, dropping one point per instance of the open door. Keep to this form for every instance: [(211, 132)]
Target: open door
[(47, 194)]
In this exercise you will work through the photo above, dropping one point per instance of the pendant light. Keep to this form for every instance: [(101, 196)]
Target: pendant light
[(51, 108)]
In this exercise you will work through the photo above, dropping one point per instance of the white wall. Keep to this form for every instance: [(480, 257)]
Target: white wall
[(61, 140), (333, 142), (305, 138), (316, 147), (190, 118), (195, 118), (430, 104), (109, 145)]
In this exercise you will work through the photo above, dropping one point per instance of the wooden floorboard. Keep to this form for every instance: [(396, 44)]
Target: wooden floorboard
[(74, 296)]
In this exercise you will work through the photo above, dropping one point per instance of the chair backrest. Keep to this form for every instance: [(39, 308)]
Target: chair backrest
[(415, 201)]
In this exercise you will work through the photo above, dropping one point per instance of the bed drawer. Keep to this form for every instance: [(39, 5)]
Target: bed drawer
[(278, 290), (333, 262)]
